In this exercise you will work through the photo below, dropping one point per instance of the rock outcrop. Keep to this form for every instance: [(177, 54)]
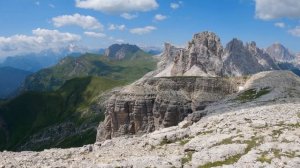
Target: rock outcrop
[(161, 102)]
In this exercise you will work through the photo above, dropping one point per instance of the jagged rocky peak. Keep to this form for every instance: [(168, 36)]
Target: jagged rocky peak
[(168, 55), (201, 57), (206, 41), (120, 51), (234, 44), (280, 53), (240, 59)]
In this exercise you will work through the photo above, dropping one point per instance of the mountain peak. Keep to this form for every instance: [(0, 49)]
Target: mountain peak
[(121, 51), (280, 53)]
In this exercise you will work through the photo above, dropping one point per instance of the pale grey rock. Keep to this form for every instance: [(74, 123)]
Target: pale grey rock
[(217, 153), (258, 124), (240, 59), (280, 54)]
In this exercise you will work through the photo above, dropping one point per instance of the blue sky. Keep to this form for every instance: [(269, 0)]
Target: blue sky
[(35, 25)]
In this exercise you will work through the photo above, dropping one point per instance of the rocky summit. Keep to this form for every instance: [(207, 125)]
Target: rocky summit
[(279, 53), (257, 127), (205, 56)]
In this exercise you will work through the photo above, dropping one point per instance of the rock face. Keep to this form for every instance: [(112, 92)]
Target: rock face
[(161, 102), (240, 59), (279, 53), (120, 51)]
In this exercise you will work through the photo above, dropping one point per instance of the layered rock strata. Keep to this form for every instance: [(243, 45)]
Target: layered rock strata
[(161, 102)]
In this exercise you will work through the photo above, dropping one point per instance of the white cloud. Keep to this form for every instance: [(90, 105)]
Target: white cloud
[(174, 5), (95, 35), (280, 24), (116, 27), (51, 6), (41, 39), (295, 31), (116, 40), (118, 6), (143, 30), (86, 22), (273, 9), (128, 16), (37, 3), (120, 41), (160, 17)]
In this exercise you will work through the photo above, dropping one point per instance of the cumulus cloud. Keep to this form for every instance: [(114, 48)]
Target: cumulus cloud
[(143, 30), (273, 9), (41, 39), (280, 24), (128, 16), (95, 35), (118, 6), (295, 31), (117, 27), (160, 17), (86, 22)]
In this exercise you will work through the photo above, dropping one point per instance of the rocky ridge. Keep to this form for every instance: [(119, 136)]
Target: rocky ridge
[(279, 53), (205, 56), (248, 129)]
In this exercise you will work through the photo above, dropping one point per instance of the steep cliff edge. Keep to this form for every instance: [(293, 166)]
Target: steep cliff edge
[(161, 102)]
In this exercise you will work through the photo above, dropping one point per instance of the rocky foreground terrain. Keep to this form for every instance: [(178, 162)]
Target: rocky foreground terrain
[(257, 127)]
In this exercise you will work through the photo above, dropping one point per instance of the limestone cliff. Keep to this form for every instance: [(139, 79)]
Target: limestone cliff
[(161, 102)]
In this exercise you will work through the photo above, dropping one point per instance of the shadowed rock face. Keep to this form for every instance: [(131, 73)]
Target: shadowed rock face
[(161, 102), (120, 51), (240, 59)]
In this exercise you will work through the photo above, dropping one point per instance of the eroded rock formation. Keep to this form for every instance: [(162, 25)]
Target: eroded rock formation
[(161, 102)]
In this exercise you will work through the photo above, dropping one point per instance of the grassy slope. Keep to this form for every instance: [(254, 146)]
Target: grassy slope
[(90, 64), (32, 111)]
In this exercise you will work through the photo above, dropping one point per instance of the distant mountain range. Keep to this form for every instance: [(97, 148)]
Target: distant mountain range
[(10, 80), (36, 61)]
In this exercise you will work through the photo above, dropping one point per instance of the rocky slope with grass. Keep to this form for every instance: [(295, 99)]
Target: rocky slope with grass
[(256, 127)]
